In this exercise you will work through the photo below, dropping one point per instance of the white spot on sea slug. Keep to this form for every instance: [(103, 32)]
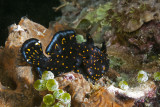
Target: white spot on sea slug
[(37, 43)]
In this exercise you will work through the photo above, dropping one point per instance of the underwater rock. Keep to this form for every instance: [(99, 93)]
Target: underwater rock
[(136, 49), (16, 76), (122, 60), (76, 85), (84, 94), (102, 98)]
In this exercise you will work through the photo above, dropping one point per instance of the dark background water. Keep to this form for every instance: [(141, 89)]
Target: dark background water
[(39, 11)]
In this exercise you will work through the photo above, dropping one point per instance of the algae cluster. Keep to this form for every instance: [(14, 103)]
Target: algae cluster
[(54, 97)]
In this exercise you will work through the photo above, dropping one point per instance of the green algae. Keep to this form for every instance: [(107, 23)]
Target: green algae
[(156, 76), (59, 97)]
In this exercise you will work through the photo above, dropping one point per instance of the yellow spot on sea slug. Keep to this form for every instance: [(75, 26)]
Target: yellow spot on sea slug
[(72, 37), (63, 40), (56, 46), (35, 51)]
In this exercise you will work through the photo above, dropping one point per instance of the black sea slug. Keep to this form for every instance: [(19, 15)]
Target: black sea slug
[(67, 55)]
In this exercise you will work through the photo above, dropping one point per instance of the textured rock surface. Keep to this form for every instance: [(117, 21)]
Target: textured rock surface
[(17, 76), (84, 94)]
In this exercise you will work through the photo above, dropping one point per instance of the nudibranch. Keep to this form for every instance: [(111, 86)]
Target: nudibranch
[(65, 55)]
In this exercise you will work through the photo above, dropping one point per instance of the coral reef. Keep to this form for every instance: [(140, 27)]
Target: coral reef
[(86, 16), (129, 16), (131, 32), (16, 79)]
